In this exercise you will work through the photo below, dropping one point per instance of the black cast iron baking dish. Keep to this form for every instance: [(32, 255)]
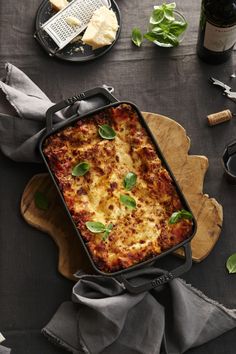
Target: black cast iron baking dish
[(125, 274)]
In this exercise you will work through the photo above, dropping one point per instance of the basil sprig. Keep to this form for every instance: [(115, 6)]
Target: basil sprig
[(98, 227), (178, 215), (106, 132), (41, 201), (164, 29), (137, 37), (130, 180), (80, 169), (231, 263), (128, 201), (161, 12)]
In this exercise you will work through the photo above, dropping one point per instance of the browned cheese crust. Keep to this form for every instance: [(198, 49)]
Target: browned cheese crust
[(138, 234)]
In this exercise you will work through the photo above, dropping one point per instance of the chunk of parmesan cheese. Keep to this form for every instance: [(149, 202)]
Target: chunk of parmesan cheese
[(102, 28), (73, 21), (58, 4)]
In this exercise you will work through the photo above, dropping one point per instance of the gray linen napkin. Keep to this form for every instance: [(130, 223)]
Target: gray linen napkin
[(20, 134), (3, 350), (103, 317)]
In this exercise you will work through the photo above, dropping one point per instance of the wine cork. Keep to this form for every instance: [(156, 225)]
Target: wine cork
[(219, 117)]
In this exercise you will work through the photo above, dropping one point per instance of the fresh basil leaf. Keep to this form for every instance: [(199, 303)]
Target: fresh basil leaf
[(164, 30), (169, 11), (98, 227), (41, 201), (168, 14), (106, 132), (157, 16), (137, 37), (162, 38), (172, 39), (231, 263), (175, 217), (130, 180), (165, 9), (158, 38), (156, 30), (95, 226), (186, 214), (107, 232), (170, 6), (80, 169), (178, 215), (151, 36), (128, 201), (105, 236), (166, 26), (178, 27), (157, 7), (110, 227)]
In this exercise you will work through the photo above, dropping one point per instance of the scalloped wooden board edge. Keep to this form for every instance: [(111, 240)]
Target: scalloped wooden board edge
[(189, 171)]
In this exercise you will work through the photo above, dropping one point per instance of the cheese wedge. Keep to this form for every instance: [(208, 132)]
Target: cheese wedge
[(58, 5), (102, 28)]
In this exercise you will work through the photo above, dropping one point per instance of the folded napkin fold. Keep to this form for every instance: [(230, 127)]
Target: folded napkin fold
[(3, 350), (103, 317), (20, 134)]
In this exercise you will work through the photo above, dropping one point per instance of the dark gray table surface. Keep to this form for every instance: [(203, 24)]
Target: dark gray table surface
[(172, 82)]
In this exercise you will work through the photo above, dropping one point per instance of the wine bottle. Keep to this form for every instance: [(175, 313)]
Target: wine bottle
[(217, 30)]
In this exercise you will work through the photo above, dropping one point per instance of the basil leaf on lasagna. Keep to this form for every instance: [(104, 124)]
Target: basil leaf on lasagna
[(178, 215), (106, 132), (110, 227), (130, 180), (98, 227), (128, 201), (95, 226), (41, 201), (80, 169), (107, 231)]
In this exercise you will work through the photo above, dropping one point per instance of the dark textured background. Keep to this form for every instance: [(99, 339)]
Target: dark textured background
[(173, 82)]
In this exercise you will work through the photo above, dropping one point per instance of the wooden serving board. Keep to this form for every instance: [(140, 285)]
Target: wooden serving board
[(189, 171)]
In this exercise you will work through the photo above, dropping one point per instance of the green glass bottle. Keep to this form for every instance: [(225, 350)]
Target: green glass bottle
[(217, 30)]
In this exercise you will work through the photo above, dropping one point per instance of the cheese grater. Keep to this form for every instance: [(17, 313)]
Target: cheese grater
[(58, 28)]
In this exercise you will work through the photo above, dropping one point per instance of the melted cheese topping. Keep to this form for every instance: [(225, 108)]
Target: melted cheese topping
[(137, 234)]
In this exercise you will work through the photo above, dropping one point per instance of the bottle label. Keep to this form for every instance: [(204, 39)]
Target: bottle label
[(219, 39)]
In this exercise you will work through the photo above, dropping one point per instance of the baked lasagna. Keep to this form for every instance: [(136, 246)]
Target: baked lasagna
[(118, 192)]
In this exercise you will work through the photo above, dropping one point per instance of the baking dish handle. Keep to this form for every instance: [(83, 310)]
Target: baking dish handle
[(83, 96), (162, 279)]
